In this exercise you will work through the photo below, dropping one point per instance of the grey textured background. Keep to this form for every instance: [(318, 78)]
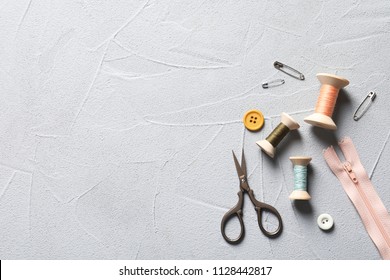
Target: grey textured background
[(118, 119)]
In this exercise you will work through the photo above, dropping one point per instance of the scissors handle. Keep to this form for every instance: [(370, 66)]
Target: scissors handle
[(262, 207), (236, 211)]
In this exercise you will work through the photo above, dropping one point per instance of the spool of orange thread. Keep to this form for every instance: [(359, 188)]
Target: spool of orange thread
[(331, 84)]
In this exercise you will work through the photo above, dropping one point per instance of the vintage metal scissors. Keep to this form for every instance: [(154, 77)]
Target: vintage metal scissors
[(260, 207)]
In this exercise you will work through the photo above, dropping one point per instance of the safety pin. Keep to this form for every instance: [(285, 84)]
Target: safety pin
[(274, 83), (280, 66), (363, 107)]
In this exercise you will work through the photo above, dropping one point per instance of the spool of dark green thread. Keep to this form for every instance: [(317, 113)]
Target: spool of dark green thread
[(278, 134), (286, 125)]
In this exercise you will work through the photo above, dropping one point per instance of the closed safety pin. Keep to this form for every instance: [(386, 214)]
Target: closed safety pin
[(273, 83), (363, 107), (280, 66)]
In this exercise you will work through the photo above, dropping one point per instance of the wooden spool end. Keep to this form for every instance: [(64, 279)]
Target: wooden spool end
[(333, 80), (300, 160), (299, 195), (267, 147), (321, 120), (288, 121)]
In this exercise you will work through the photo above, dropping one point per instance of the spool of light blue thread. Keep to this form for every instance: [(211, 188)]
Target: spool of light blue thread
[(300, 178)]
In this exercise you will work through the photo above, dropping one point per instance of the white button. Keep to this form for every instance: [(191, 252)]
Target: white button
[(325, 221)]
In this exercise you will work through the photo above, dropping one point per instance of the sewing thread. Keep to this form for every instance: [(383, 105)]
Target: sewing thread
[(278, 134), (327, 100), (300, 178)]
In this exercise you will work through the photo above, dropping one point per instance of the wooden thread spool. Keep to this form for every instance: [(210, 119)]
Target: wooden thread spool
[(269, 144), (331, 84), (300, 192)]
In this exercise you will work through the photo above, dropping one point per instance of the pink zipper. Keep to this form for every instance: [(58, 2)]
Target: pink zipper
[(351, 174), (361, 192)]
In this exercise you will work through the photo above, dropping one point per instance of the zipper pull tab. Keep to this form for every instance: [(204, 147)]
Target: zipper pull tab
[(351, 174)]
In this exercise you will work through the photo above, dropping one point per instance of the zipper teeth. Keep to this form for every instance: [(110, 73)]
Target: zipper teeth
[(373, 215)]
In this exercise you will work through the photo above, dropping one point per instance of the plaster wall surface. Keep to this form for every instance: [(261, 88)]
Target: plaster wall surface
[(118, 118)]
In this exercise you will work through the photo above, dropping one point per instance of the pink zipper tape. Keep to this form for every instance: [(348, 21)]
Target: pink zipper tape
[(356, 183)]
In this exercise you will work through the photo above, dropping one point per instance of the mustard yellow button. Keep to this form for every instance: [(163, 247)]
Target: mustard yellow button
[(253, 120)]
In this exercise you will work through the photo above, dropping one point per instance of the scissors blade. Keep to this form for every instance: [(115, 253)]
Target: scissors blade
[(243, 162), (238, 167)]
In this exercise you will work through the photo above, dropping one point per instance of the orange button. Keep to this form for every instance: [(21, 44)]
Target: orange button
[(253, 120)]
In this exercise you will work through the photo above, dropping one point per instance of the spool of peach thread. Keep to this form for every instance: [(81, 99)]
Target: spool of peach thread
[(331, 85)]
